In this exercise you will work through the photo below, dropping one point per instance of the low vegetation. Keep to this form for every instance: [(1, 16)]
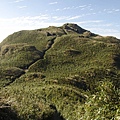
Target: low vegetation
[(59, 73)]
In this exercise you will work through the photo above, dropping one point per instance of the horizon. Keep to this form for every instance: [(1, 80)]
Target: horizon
[(99, 17)]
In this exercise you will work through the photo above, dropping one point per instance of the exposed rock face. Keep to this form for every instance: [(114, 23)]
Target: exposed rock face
[(73, 27)]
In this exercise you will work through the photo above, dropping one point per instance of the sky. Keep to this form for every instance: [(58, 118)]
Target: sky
[(98, 16)]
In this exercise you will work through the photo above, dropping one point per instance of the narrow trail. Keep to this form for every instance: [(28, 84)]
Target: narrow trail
[(48, 46)]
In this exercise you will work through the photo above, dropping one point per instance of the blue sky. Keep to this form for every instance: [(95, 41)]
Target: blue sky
[(98, 16)]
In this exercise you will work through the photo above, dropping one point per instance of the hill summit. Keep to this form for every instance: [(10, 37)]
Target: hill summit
[(59, 73), (68, 28)]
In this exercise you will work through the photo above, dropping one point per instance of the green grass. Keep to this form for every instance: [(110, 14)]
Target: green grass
[(20, 57), (92, 55), (78, 78)]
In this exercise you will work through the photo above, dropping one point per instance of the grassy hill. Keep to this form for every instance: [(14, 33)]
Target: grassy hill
[(59, 73)]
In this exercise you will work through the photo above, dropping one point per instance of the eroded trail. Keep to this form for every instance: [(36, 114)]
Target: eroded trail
[(25, 70), (48, 46)]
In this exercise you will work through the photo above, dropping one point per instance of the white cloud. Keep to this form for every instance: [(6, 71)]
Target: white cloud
[(66, 8), (76, 7), (82, 6), (91, 9), (21, 21), (21, 7), (89, 22), (101, 25), (57, 18), (52, 3), (75, 17), (110, 11), (17, 1), (105, 10), (66, 18), (57, 9), (117, 10), (104, 30)]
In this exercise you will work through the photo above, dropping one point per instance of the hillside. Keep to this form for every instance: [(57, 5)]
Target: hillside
[(59, 73)]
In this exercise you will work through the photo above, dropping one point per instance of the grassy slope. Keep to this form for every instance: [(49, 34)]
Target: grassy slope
[(76, 73)]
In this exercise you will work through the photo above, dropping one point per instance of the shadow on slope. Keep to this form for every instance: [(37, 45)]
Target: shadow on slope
[(7, 114), (117, 61)]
